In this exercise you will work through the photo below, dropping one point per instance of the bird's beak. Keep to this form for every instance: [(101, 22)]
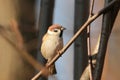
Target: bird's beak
[(62, 28)]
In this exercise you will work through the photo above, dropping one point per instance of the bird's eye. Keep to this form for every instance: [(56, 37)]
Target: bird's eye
[(55, 30)]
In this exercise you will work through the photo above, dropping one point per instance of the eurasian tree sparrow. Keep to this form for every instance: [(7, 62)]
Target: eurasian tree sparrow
[(51, 43)]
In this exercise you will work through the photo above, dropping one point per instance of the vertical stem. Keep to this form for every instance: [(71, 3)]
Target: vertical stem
[(89, 53), (89, 42)]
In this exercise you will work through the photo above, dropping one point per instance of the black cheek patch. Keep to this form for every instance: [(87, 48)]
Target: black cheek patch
[(61, 34)]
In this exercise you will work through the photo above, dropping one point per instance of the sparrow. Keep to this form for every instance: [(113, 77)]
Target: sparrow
[(52, 42)]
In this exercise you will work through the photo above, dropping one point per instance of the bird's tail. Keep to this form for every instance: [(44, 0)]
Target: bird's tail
[(52, 69)]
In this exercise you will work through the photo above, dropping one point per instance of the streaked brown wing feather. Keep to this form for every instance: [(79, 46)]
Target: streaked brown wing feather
[(60, 46)]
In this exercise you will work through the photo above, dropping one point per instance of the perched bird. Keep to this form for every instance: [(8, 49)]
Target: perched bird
[(51, 43)]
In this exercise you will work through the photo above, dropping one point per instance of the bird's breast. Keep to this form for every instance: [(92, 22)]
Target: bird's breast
[(50, 46)]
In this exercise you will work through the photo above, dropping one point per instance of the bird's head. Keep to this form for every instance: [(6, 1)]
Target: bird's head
[(56, 30)]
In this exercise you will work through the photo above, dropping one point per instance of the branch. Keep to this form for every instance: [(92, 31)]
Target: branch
[(80, 30), (19, 38), (91, 8), (90, 65), (91, 19), (85, 75), (37, 76), (23, 52)]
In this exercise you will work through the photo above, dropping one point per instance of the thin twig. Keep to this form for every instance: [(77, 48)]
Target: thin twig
[(91, 19), (40, 74), (37, 76), (89, 42), (85, 74), (91, 8)]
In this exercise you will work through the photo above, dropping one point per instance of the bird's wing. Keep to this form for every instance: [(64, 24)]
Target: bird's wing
[(60, 46)]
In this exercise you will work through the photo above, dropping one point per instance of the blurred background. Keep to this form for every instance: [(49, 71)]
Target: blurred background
[(24, 22)]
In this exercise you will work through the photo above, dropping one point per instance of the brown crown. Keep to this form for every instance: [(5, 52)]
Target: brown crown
[(54, 26)]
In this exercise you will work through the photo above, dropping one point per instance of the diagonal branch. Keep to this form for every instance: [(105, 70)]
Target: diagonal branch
[(91, 19), (23, 52), (80, 30)]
